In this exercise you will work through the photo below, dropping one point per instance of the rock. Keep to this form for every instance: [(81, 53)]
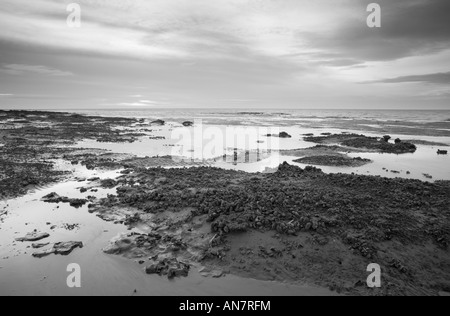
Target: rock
[(60, 248), (208, 272), (398, 141), (284, 135), (108, 183), (77, 203), (333, 160), (158, 123), (365, 143), (43, 253), (38, 246), (442, 152), (280, 135), (170, 267), (65, 248), (55, 198), (33, 236), (188, 124), (52, 198)]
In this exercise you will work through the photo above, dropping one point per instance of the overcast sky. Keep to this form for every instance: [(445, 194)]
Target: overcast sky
[(225, 54)]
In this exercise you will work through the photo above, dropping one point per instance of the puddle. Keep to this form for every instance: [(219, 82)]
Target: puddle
[(424, 161)]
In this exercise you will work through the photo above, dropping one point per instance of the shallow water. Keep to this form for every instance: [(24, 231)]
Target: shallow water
[(197, 144)]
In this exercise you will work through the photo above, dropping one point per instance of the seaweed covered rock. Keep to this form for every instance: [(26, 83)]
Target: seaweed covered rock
[(60, 248), (334, 160), (365, 143), (188, 124), (33, 236), (169, 267)]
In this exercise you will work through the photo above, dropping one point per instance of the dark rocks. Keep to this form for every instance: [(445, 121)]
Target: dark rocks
[(33, 236), (334, 160), (60, 248), (39, 245), (65, 248), (188, 124), (77, 203), (158, 123), (108, 183), (322, 211), (55, 198), (365, 143), (284, 135), (172, 268), (442, 152), (52, 198), (398, 141), (280, 135)]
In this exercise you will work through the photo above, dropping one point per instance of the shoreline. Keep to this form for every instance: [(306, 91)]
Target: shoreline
[(306, 225)]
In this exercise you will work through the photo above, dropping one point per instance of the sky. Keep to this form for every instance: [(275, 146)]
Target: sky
[(244, 54)]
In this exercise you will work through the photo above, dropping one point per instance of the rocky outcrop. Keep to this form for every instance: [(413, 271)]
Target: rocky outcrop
[(60, 248), (171, 268), (55, 198), (158, 123), (33, 236), (365, 143), (288, 222), (280, 135), (188, 124), (334, 160)]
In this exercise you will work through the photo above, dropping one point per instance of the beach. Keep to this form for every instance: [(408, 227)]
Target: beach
[(195, 202)]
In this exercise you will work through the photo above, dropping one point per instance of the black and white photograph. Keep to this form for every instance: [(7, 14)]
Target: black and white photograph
[(220, 155)]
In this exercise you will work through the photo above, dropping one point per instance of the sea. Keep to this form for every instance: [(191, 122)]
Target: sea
[(218, 126)]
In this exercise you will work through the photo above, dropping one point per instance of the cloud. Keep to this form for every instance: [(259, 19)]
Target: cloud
[(409, 28), (274, 53), (17, 69), (436, 78), (140, 103), (5, 95), (234, 29)]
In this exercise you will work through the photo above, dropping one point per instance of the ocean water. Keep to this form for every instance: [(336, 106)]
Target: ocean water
[(275, 115), (219, 132)]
